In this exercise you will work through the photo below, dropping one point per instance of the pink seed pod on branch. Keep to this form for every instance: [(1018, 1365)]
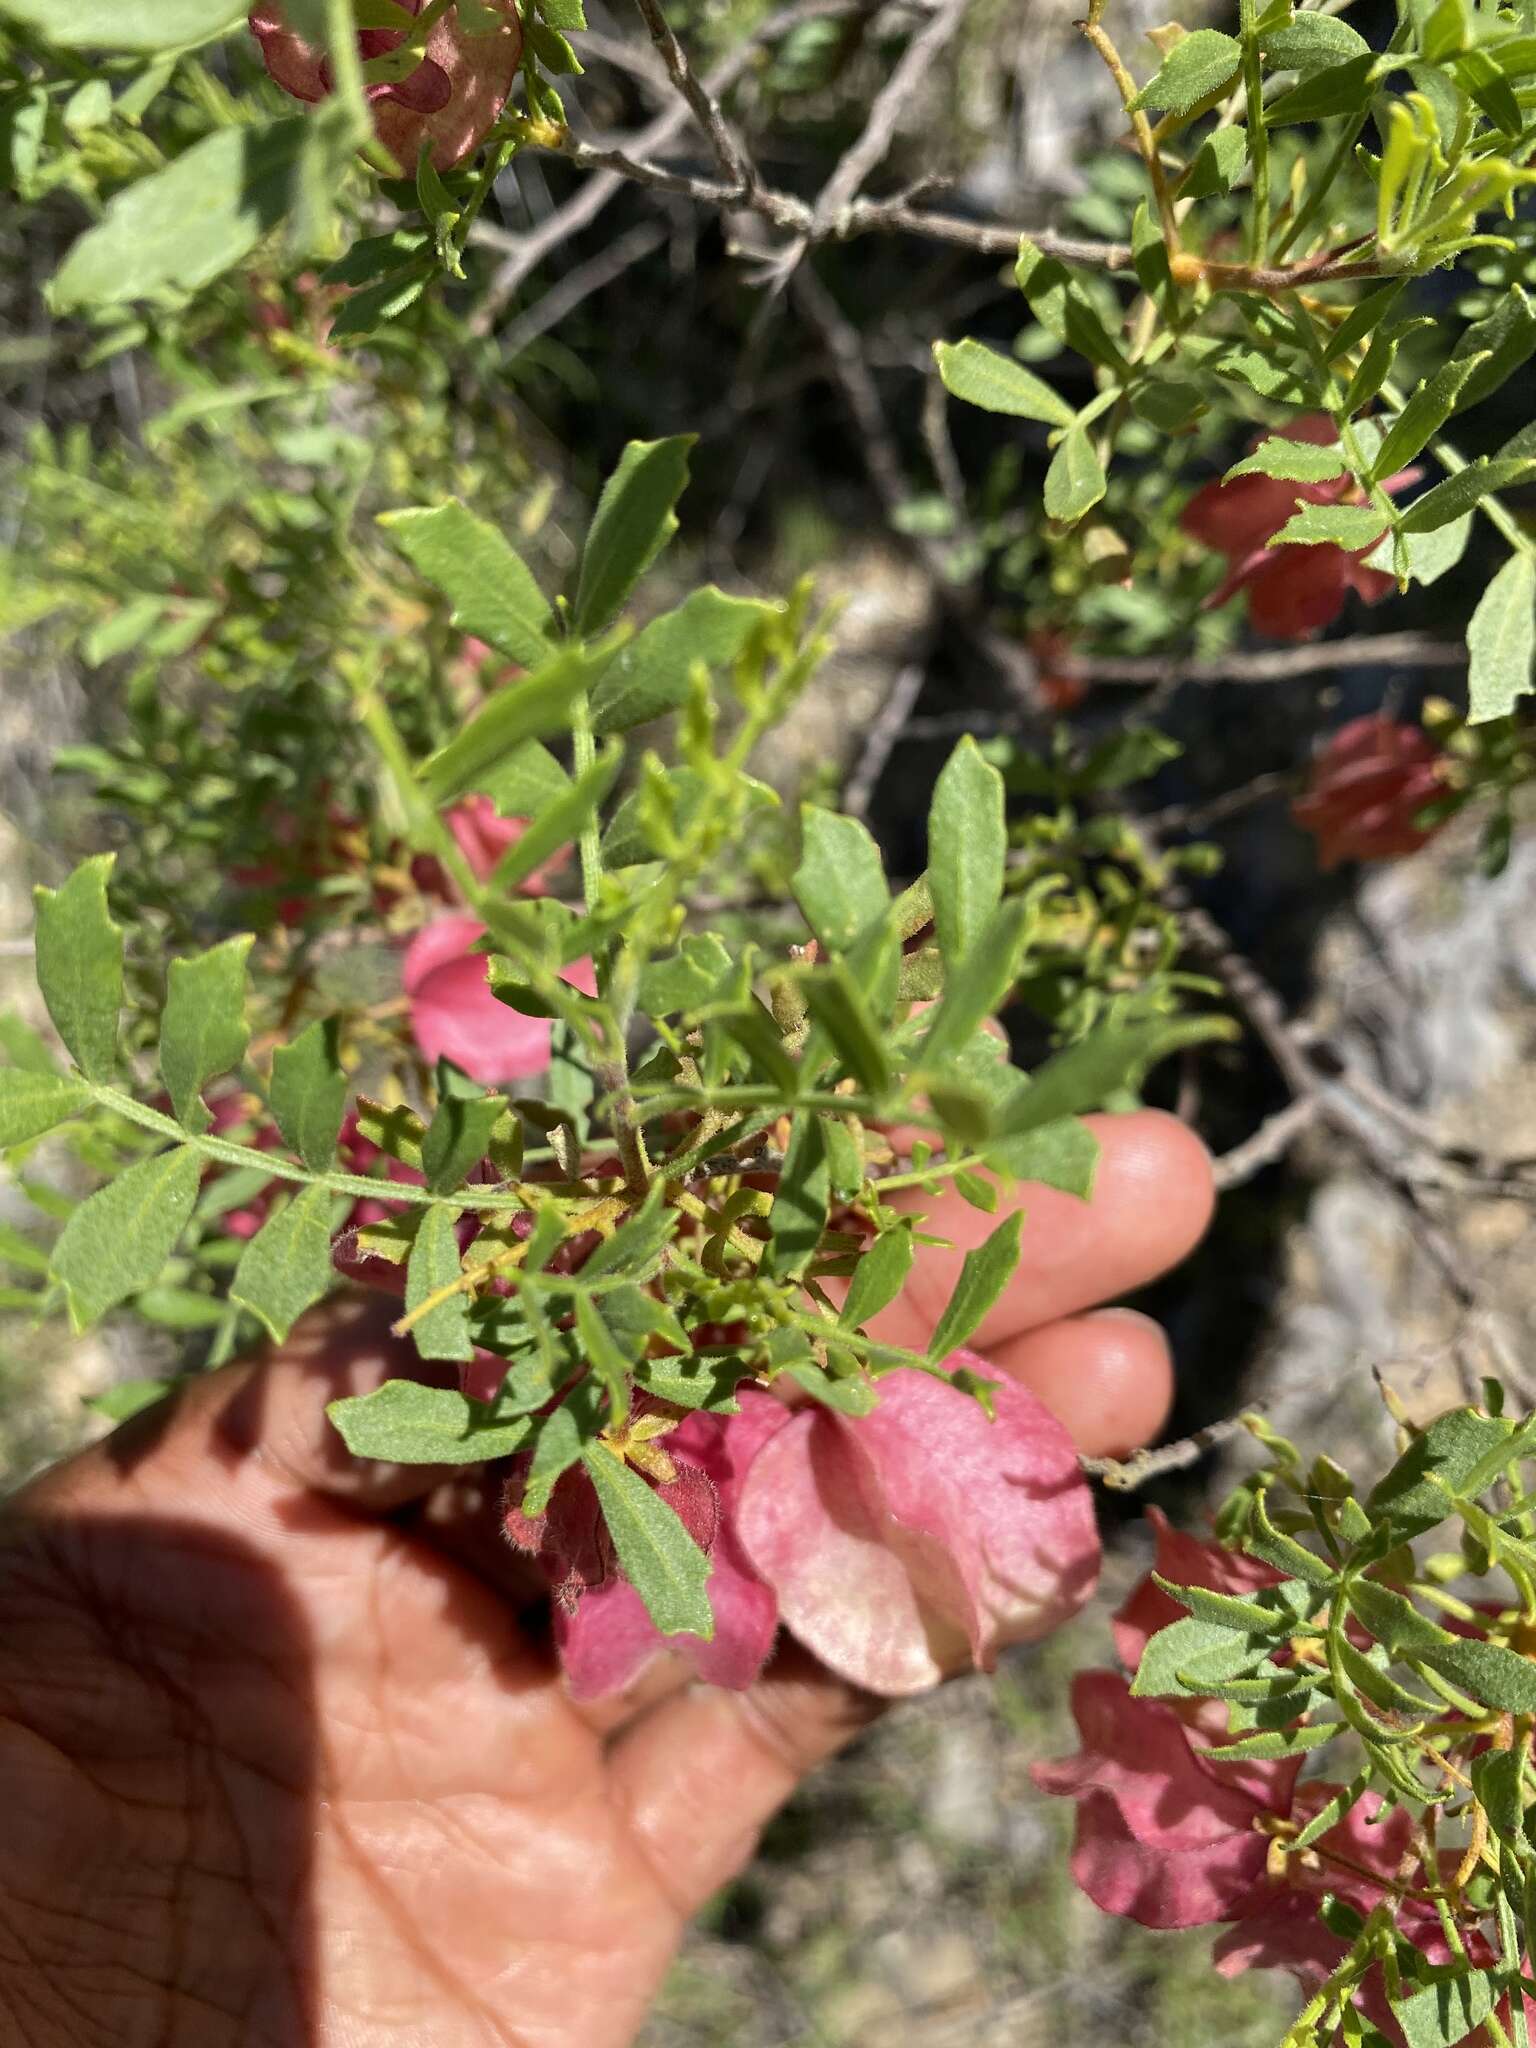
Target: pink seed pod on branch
[(1368, 788), (451, 100)]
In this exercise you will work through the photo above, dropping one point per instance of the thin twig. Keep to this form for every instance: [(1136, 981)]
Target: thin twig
[(880, 741), (869, 151), (735, 165), (1269, 1143), (1125, 1474), (564, 296)]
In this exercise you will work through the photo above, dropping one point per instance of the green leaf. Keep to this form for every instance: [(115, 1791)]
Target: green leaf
[(203, 1032), (1430, 555), (1178, 1658), (1064, 309), (309, 1092), (80, 966), (24, 1047), (559, 823), (1216, 165), (31, 1103), (1272, 1616), (127, 1398), (633, 522), (841, 1008), (1420, 1489), (1312, 42), (693, 1381), (801, 1201), (1197, 66), (286, 1267), (967, 850), (650, 675), (656, 1553), (1340, 89), (975, 988), (1424, 415), (528, 779), (408, 1424), (1394, 1621), (558, 1444), (1497, 1677), (635, 1248), (979, 375), (1085, 1075), (458, 1136), (1295, 462), (878, 1278), (1501, 642), (185, 225), (688, 979), (443, 1332), (484, 579), (851, 1396), (1075, 481), (535, 704), (840, 882), (120, 25), (1505, 340), (1444, 2013), (1342, 526), (608, 1362), (1460, 493), (984, 1273), (1063, 1155), (1277, 1742), (115, 1243)]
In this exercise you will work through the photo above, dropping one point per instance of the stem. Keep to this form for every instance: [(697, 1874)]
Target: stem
[(1258, 134), (583, 754), (517, 1195), (1101, 41)]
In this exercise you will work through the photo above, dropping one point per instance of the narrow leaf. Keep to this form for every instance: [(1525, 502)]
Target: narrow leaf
[(1197, 66), (185, 225), (458, 1137), (80, 966), (1501, 642), (116, 25), (535, 704), (1075, 481), (287, 1267), (840, 883), (31, 1103), (435, 1263), (1298, 462), (984, 1273), (967, 850), (309, 1093), (1424, 415), (203, 1032), (801, 1201), (650, 675), (484, 579), (1110, 1059), (408, 1424), (878, 1278), (1340, 526), (1459, 494), (979, 375), (116, 1243), (633, 522), (656, 1553)]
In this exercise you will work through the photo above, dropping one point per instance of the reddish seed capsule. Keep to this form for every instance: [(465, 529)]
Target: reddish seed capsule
[(1367, 789), (450, 100)]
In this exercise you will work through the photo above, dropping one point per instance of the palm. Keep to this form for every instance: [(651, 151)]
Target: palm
[(280, 1768), (367, 1748)]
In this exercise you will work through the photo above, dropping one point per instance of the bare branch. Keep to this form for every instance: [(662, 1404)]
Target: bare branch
[(735, 166), (568, 292), (883, 734), (1269, 1143), (1126, 1474), (865, 155)]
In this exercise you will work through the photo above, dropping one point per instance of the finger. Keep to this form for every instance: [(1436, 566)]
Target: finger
[(1106, 1377), (1151, 1202), (700, 1774)]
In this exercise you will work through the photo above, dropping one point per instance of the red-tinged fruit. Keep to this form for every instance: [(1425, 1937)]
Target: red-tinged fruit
[(450, 101), (922, 1538), (1368, 789), (1292, 591), (454, 1014)]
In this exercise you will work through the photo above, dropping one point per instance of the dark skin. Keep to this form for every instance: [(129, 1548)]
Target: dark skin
[(282, 1764)]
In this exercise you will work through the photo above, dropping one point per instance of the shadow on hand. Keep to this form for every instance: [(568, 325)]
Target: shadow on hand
[(158, 1747)]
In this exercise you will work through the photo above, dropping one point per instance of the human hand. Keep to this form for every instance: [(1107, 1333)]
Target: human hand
[(283, 1766)]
